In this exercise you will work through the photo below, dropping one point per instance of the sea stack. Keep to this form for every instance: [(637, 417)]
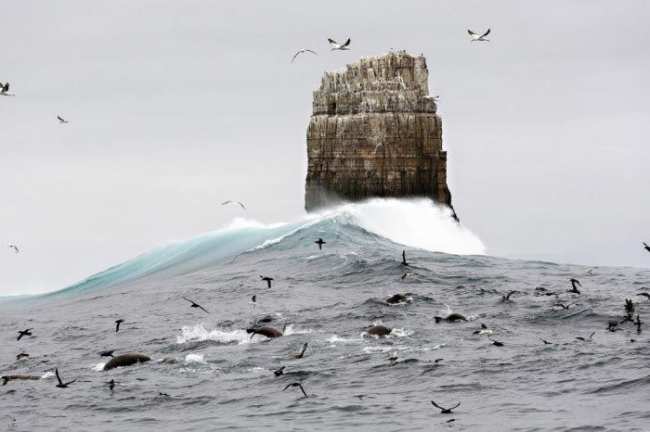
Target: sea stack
[(374, 132)]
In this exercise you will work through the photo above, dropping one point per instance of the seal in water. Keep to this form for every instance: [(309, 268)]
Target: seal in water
[(269, 332), (126, 360), (379, 331), (397, 298), (7, 378), (453, 317)]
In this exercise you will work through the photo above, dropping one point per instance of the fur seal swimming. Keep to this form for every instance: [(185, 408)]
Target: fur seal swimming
[(7, 378), (126, 360), (267, 331), (397, 298), (379, 331), (453, 317)]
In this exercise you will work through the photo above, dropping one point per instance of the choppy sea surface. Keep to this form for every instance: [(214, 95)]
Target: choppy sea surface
[(214, 377)]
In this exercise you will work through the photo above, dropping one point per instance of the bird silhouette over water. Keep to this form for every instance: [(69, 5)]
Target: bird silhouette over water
[(644, 294), (301, 353), (404, 263), (117, 324), (444, 410), (646, 246), (61, 384), (506, 297), (575, 283), (583, 339), (546, 342), (195, 304), (267, 279), (107, 353), (563, 306), (279, 372), (320, 242), (111, 384), (26, 332), (61, 119), (296, 384)]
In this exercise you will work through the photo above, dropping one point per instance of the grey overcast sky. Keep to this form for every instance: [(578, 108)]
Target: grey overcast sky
[(175, 106)]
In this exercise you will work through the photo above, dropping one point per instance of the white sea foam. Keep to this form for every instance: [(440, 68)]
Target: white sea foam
[(194, 358), (415, 222), (199, 333)]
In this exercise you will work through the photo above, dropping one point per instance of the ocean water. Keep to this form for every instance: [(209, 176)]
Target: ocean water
[(218, 378)]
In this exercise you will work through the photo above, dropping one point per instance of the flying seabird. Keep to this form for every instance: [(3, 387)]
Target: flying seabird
[(279, 372), (483, 331), (195, 305), (301, 353), (61, 120), (644, 294), (267, 279), (580, 338), (563, 306), (546, 342), (117, 324), (646, 246), (479, 38), (320, 242), (506, 298), (575, 283), (107, 353), (234, 202), (111, 384), (337, 46), (26, 332), (302, 51), (61, 384), (14, 247), (496, 342), (404, 275), (296, 384), (404, 263), (445, 410), (4, 90)]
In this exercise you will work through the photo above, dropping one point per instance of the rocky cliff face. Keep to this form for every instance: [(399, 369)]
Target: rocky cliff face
[(374, 132)]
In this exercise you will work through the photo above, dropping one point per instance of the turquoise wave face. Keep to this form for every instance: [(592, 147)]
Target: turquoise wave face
[(414, 223)]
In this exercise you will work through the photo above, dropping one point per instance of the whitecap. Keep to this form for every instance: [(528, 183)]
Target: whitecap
[(194, 358)]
